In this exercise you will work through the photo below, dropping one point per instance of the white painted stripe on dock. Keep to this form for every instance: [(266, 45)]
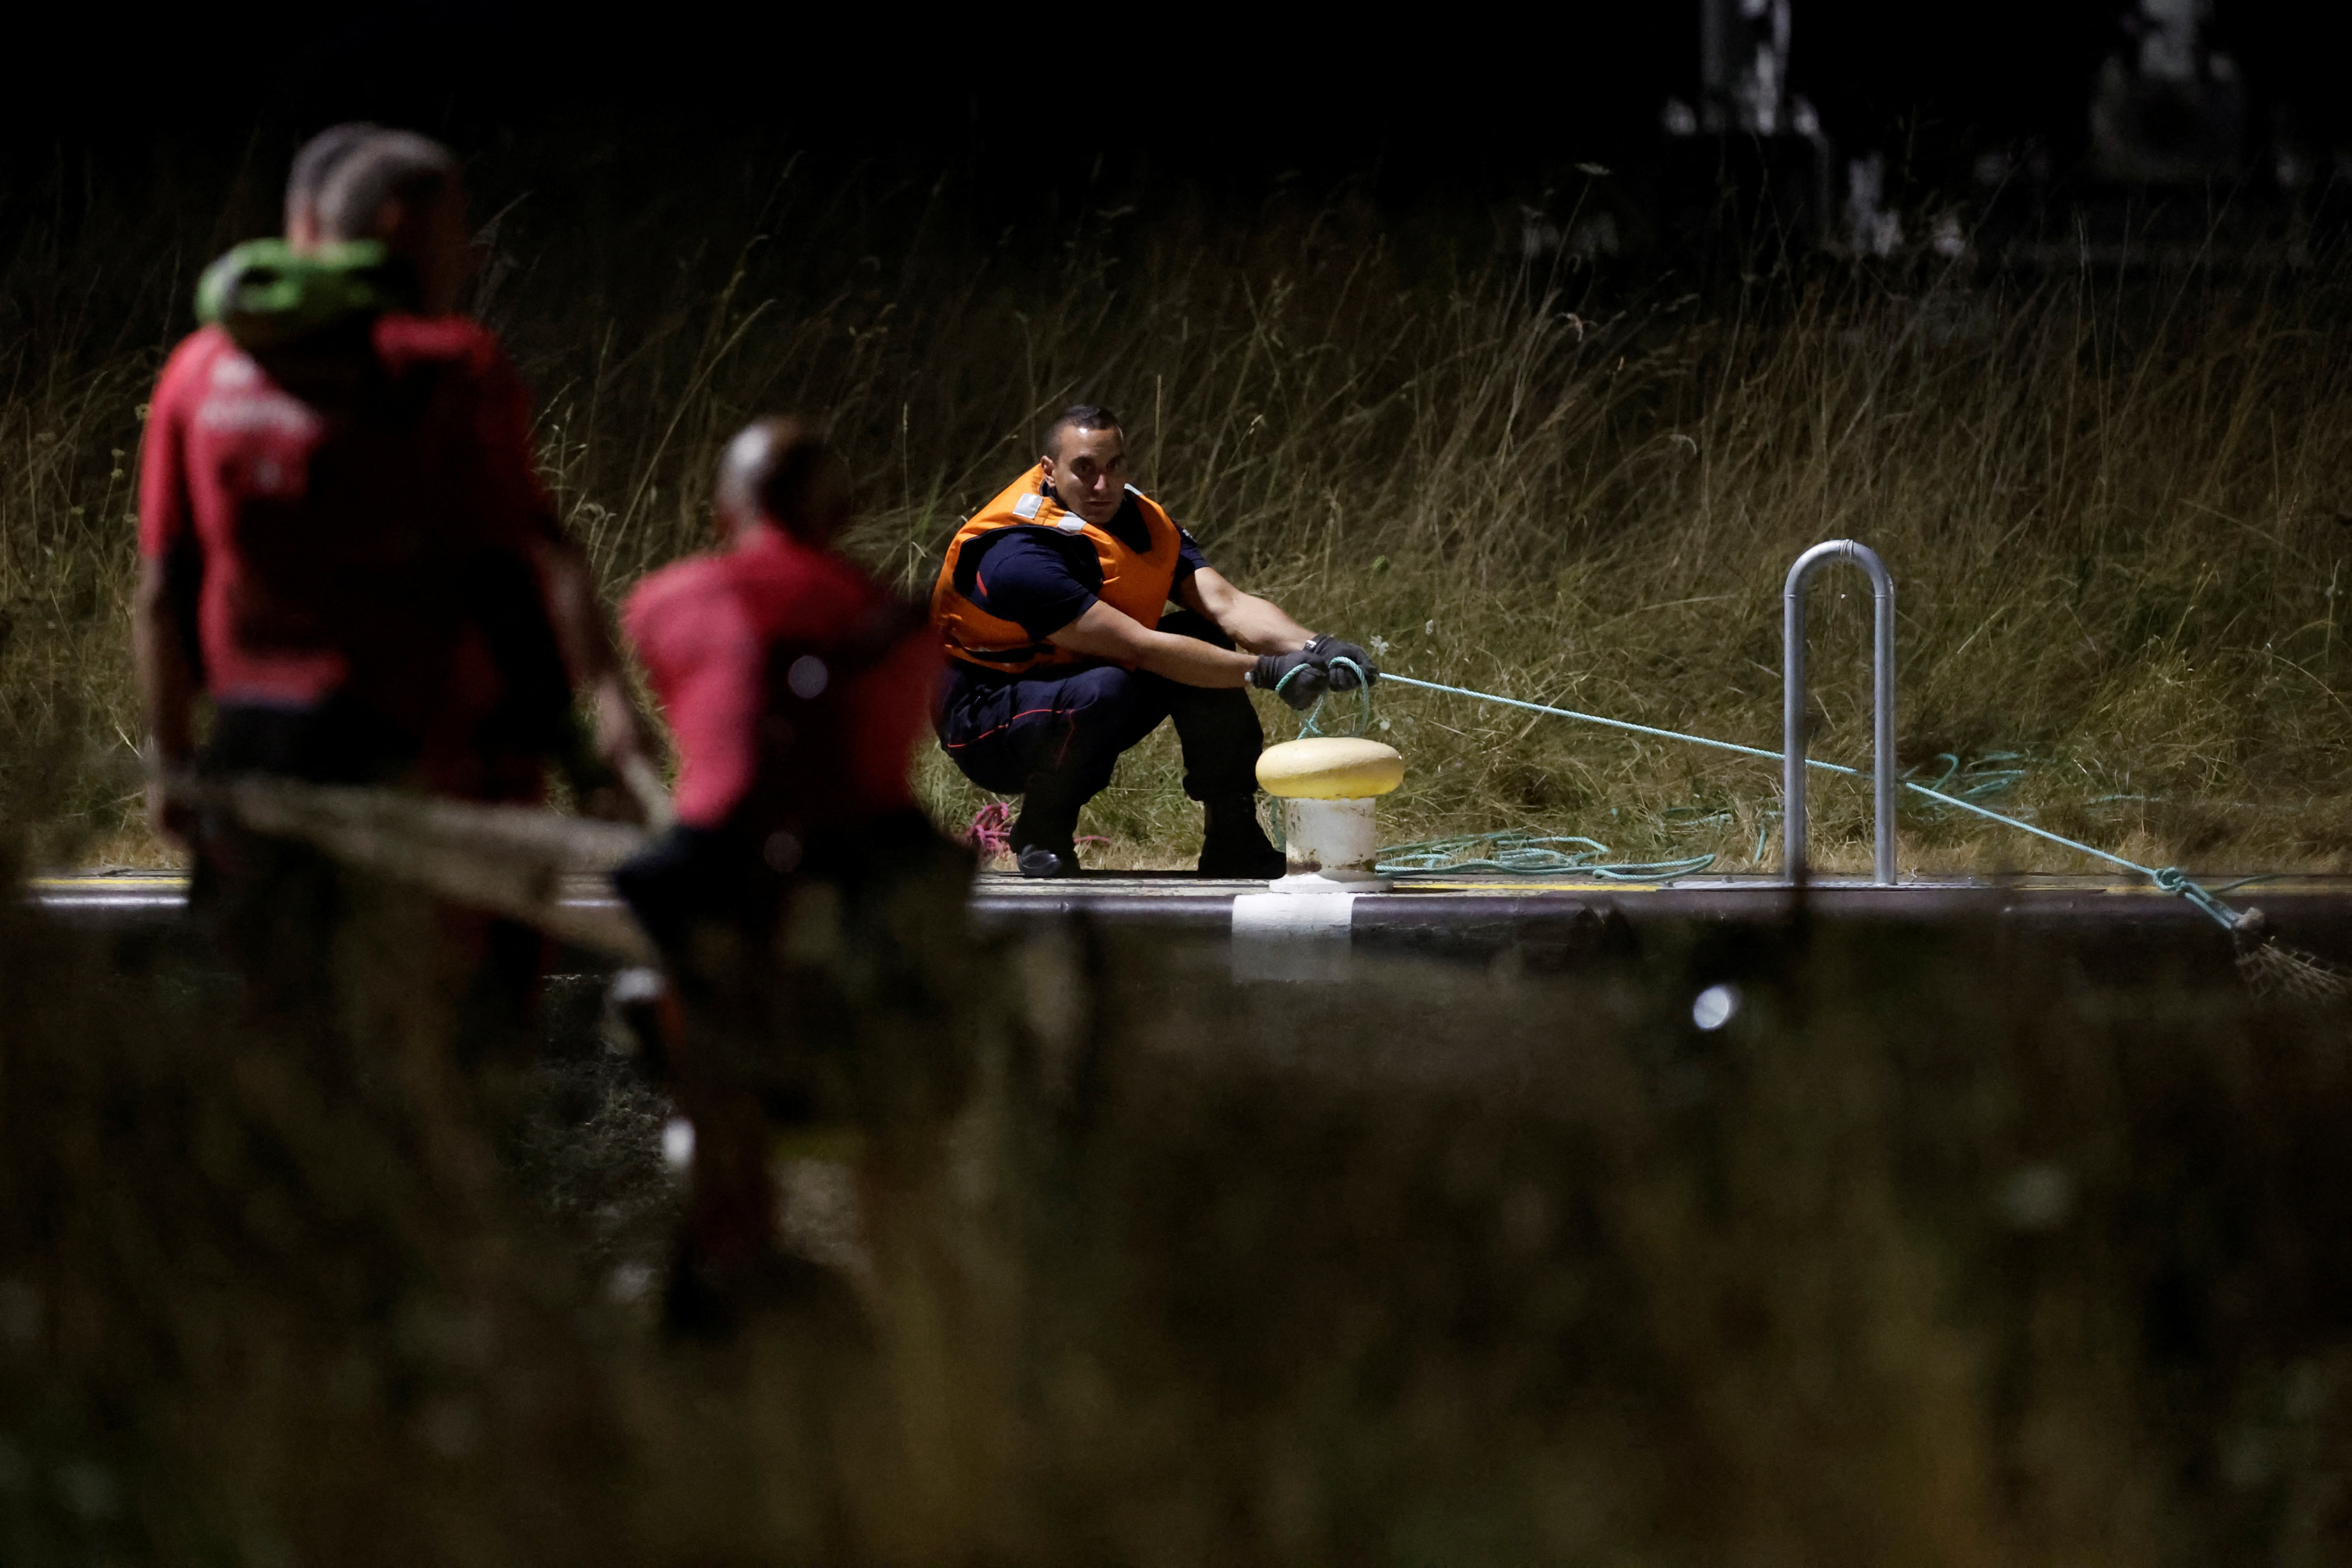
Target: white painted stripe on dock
[(1292, 936)]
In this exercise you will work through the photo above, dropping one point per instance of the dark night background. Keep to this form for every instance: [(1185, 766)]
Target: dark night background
[(1429, 103)]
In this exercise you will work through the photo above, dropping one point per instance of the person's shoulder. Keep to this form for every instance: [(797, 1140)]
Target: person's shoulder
[(791, 577), (837, 571), (690, 582), (190, 359), (1034, 550), (200, 346), (678, 616), (1015, 502), (457, 341), (1150, 507)]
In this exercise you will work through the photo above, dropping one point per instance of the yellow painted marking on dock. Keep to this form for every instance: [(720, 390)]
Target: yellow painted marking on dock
[(1516, 885)]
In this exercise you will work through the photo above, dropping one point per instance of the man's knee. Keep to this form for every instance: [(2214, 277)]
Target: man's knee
[(1222, 738), (1217, 726), (1077, 725), (1103, 712)]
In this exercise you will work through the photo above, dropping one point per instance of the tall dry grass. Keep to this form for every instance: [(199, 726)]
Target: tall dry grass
[(2112, 506)]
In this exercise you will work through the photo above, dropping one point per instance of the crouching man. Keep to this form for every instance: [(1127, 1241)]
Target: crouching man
[(1052, 608), (811, 917)]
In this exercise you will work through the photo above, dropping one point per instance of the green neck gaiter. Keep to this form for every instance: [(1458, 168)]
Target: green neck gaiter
[(266, 296)]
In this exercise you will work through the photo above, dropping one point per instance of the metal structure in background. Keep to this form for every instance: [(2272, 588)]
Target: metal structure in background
[(2172, 111), (1744, 67), (2173, 175), (1882, 702), (1748, 160)]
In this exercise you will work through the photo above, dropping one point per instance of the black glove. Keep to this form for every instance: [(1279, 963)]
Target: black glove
[(1298, 678), (1303, 678), (1327, 650)]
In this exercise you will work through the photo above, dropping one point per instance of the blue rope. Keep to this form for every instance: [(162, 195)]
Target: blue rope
[(2170, 878), (1311, 725), (1527, 854), (1512, 851), (1984, 778)]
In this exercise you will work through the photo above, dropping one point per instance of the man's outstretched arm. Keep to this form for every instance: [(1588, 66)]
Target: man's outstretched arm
[(1105, 633), (1262, 626), (167, 693), (588, 651), (1255, 624), (1295, 675)]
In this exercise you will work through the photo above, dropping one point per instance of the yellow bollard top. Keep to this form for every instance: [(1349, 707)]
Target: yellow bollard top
[(1329, 767)]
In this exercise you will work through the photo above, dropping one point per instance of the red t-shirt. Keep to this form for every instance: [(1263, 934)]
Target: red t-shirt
[(345, 541), (797, 687)]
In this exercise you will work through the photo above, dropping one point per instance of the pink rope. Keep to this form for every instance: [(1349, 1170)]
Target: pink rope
[(990, 832)]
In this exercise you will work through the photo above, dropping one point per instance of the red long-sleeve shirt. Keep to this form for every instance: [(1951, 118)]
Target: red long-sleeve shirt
[(797, 687), (354, 545)]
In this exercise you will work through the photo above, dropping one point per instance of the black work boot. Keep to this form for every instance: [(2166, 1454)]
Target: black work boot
[(1234, 844), (1037, 862), (1043, 837)]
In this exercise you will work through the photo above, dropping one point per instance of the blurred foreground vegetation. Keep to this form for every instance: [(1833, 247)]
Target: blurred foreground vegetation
[(2118, 508), (1453, 1263)]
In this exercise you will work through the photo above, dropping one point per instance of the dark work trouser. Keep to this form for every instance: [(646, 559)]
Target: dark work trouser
[(1005, 732), (821, 994), (842, 993)]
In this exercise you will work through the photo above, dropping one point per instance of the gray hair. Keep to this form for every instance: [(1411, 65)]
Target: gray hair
[(375, 168), (317, 160), (777, 469)]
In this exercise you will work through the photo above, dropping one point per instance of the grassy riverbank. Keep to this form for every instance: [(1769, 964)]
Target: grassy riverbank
[(2116, 511)]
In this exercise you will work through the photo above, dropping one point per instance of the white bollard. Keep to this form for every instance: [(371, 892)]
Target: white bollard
[(1328, 786), (1333, 839)]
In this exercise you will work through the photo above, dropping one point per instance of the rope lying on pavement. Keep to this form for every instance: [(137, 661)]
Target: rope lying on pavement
[(510, 860)]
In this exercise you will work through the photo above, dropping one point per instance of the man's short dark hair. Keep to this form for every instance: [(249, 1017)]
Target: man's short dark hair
[(317, 159), (1080, 416), (379, 167)]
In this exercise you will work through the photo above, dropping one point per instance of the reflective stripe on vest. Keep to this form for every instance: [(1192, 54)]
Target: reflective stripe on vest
[(1135, 584)]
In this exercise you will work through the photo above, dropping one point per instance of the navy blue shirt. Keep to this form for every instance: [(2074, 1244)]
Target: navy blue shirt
[(1042, 579)]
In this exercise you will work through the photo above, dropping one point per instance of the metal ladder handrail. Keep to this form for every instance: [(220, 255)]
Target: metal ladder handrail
[(1793, 720)]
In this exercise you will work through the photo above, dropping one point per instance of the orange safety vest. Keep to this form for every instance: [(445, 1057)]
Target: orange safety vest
[(1135, 583)]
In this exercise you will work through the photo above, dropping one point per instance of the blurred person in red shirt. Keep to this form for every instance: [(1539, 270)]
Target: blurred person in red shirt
[(345, 547), (795, 684), (811, 917)]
